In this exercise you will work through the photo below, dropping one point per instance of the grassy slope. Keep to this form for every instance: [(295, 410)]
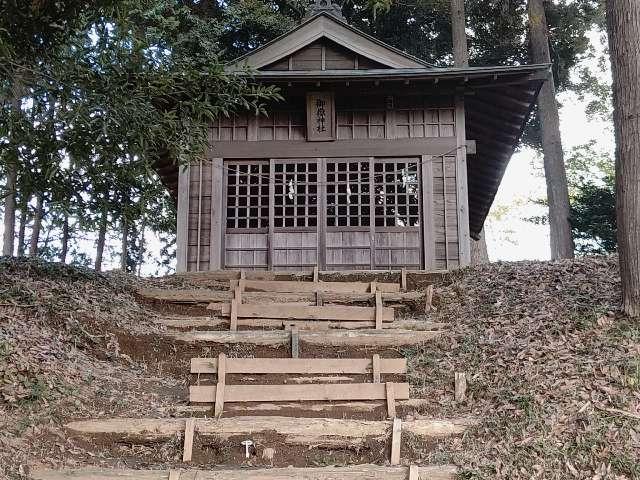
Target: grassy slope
[(547, 355), (544, 349), (60, 358)]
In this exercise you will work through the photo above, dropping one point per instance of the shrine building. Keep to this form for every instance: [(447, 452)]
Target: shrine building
[(375, 159)]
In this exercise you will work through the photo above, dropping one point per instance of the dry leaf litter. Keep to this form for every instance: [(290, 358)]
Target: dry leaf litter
[(553, 369)]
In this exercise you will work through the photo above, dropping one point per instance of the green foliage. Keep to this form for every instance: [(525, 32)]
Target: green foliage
[(591, 179), (593, 218), (98, 96)]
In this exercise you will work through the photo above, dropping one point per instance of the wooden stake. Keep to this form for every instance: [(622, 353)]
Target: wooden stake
[(461, 387), (396, 437), (379, 310), (391, 400), (319, 299), (243, 274), (316, 274), (222, 381), (403, 279), (376, 368), (374, 287), (428, 299), (295, 342), (189, 429), (174, 474), (414, 472), (233, 322), (237, 295)]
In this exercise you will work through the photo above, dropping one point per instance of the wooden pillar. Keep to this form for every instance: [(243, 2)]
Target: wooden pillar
[(461, 60), (215, 239), (428, 229), (182, 228), (462, 188)]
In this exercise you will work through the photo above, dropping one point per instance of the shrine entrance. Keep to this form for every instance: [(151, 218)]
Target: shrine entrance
[(338, 213)]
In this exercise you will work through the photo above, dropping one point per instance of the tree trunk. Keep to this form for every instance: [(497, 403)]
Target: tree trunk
[(461, 60), (623, 20), (102, 235), (556, 176), (24, 216), (37, 226), (10, 210), (458, 34), (12, 183), (143, 227), (125, 245), (479, 254), (65, 238)]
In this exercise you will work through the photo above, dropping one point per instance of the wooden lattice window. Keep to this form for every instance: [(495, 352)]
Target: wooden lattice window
[(428, 122), (396, 194), (361, 125), (296, 194), (230, 128), (282, 126), (348, 194), (247, 197)]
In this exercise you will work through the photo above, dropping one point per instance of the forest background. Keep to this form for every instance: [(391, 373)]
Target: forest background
[(94, 92)]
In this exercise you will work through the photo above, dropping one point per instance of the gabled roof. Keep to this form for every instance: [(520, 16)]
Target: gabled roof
[(325, 25)]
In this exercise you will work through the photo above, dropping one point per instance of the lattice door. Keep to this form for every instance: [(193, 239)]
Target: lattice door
[(397, 199), (247, 200), (340, 214), (348, 219), (295, 214)]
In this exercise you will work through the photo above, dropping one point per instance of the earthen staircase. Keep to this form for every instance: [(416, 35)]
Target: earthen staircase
[(333, 385)]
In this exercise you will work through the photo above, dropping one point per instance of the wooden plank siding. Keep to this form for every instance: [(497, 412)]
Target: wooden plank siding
[(215, 236), (199, 216), (445, 212), (323, 54)]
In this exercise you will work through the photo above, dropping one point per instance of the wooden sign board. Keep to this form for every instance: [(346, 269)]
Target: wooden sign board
[(321, 117)]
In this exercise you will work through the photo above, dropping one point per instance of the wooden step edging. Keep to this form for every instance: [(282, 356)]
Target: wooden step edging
[(435, 276), (337, 408), (359, 472), (295, 429), (300, 366), (312, 287), (306, 366), (335, 338), (312, 432), (225, 296), (215, 322), (291, 311), (301, 393)]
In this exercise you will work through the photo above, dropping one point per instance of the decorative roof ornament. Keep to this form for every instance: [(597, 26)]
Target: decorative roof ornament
[(324, 6)]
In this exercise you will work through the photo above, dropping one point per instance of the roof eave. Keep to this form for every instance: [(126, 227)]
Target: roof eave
[(526, 72)]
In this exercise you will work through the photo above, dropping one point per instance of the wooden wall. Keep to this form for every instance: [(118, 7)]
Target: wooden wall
[(199, 225), (324, 55), (445, 212), (202, 219)]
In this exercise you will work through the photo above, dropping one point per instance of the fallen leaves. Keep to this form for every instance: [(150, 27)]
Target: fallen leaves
[(543, 343)]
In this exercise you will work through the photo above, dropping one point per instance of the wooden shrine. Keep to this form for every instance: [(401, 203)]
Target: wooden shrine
[(374, 160)]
